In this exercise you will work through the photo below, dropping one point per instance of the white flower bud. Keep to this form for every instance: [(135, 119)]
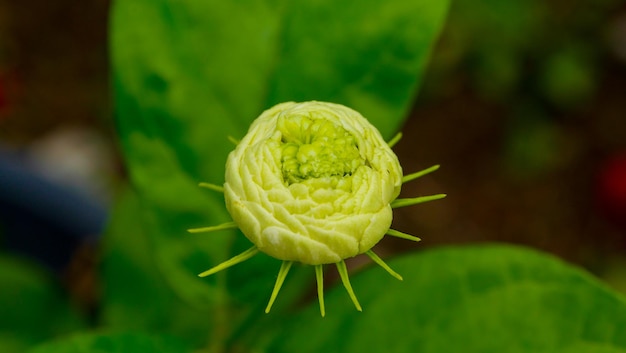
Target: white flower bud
[(312, 182)]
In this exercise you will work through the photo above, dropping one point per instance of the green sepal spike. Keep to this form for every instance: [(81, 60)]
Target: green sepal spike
[(421, 173), (282, 274), (395, 140), (319, 276), (382, 264), (343, 273), (415, 200), (223, 226), (231, 262), (210, 186)]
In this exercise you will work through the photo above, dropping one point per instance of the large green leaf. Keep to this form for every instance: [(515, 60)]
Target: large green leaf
[(34, 306), (471, 299), (135, 296), (188, 74)]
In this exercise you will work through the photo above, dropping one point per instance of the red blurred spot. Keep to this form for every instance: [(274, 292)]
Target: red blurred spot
[(612, 189), (3, 98), (8, 92)]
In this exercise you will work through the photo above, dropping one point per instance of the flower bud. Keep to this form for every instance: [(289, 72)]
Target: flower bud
[(312, 182)]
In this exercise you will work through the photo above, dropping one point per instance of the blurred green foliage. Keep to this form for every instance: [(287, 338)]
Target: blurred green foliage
[(508, 49), (539, 65), (114, 343), (34, 307)]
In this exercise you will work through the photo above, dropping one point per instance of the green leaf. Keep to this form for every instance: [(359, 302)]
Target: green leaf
[(471, 299), (368, 55), (187, 75), (34, 306), (136, 295), (113, 343), (176, 66)]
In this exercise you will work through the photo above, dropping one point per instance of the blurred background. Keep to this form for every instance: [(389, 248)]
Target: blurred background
[(523, 104)]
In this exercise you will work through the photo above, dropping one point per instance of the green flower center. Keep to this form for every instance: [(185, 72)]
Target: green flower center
[(316, 148)]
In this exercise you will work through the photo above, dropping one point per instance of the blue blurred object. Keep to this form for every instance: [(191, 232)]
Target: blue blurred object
[(44, 220)]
